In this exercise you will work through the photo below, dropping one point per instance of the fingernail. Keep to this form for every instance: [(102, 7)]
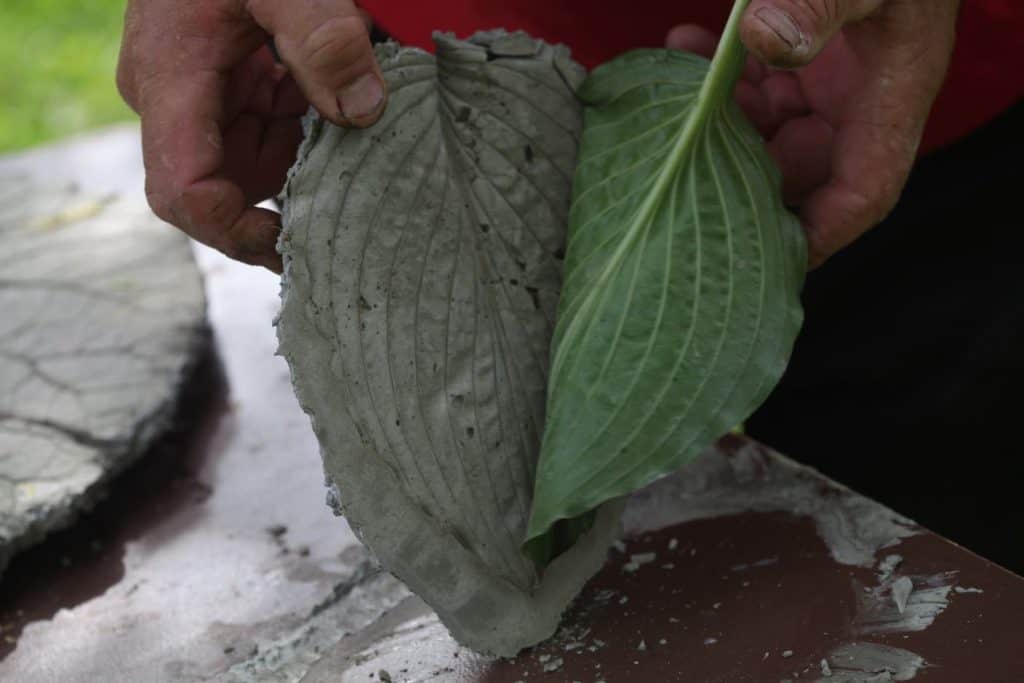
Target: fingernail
[(784, 27), (362, 97)]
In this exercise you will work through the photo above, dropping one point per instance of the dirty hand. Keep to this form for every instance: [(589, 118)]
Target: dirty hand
[(220, 118), (845, 122)]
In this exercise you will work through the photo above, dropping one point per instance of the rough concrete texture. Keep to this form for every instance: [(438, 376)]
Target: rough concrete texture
[(422, 273), (103, 314)]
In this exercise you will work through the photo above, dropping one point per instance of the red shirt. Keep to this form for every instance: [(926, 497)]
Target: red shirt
[(986, 75)]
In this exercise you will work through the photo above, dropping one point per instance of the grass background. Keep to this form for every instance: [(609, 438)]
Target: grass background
[(57, 74)]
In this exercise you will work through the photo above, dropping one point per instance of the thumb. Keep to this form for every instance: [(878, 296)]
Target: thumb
[(790, 33), (326, 47)]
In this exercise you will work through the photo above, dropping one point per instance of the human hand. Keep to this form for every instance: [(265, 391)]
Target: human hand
[(221, 118), (845, 122)]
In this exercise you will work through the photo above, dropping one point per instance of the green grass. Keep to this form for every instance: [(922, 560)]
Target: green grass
[(57, 75)]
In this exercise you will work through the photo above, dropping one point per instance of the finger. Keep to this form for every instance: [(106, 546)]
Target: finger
[(288, 99), (802, 150), (181, 134), (871, 160), (700, 41), (258, 154), (790, 33), (262, 86), (183, 151), (773, 102), (906, 53), (367, 19), (326, 46), (252, 84), (218, 214), (126, 58)]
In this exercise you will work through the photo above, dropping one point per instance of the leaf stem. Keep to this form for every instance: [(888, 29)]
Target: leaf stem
[(727, 63), (725, 69)]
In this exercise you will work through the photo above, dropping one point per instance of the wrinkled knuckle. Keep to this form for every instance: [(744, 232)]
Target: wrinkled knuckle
[(336, 46)]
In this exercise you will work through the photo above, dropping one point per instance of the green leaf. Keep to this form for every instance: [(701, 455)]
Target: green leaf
[(680, 301)]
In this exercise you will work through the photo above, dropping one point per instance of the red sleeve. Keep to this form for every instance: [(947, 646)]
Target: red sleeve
[(986, 75)]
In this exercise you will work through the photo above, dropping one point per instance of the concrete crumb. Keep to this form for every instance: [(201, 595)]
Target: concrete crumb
[(710, 641), (673, 543), (637, 560), (826, 670), (966, 589), (766, 562), (554, 665), (642, 647), (787, 653), (889, 564)]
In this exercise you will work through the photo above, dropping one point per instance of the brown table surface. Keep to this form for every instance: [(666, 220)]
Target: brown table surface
[(216, 558)]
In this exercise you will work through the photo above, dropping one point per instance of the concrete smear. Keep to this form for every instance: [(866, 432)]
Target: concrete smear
[(902, 604), (862, 662), (753, 478)]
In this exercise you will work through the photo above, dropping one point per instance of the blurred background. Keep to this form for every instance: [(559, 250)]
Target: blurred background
[(58, 77)]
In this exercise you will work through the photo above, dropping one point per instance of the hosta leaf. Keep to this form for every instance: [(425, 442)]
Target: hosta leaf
[(680, 301), (423, 267)]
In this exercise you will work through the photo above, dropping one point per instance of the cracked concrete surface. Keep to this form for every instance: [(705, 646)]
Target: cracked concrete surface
[(102, 314)]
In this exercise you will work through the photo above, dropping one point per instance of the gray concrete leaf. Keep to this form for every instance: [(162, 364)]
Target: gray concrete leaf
[(423, 261), (103, 314)]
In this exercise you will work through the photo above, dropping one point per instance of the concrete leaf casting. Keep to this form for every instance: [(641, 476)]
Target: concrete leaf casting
[(423, 261), (103, 315)]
